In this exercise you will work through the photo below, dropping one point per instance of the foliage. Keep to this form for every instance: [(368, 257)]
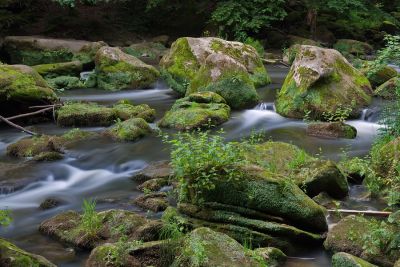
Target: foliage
[(91, 221), (5, 218), (339, 115), (201, 159), (256, 44), (389, 54)]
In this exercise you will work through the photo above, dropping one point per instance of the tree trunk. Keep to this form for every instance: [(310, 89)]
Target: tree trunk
[(312, 15)]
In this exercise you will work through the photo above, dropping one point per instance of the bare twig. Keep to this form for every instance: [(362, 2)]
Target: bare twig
[(17, 126), (47, 106), (365, 212), (29, 114)]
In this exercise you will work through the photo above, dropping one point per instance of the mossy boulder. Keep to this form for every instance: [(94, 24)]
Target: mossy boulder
[(198, 110), (182, 64), (30, 50), (21, 87), (128, 254), (73, 68), (388, 90), (85, 114), (126, 110), (331, 130), (273, 257), (322, 80), (385, 158), (298, 40), (148, 52), (13, 256), (358, 236), (378, 76), (343, 259), (129, 130), (46, 147), (68, 227), (116, 70), (207, 248), (155, 202), (353, 47), (65, 83)]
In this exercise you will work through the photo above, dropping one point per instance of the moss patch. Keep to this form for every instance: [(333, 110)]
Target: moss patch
[(129, 130)]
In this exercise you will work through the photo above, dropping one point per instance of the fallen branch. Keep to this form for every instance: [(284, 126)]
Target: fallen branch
[(17, 126), (365, 212), (30, 114), (47, 106)]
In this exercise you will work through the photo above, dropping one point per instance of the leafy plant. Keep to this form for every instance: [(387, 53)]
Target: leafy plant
[(339, 115), (389, 54), (256, 44), (200, 160), (91, 221), (5, 218)]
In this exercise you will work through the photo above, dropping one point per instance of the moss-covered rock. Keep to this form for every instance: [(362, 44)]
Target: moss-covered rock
[(46, 147), (188, 56), (126, 110), (207, 248), (116, 70), (21, 87), (321, 80), (199, 110), (358, 236), (332, 130), (128, 254), (385, 158), (388, 90), (155, 202), (273, 257), (85, 114), (13, 256), (30, 50), (69, 228), (378, 76), (343, 259), (298, 40), (353, 47), (73, 68), (129, 130), (155, 170), (148, 52), (153, 184), (65, 83)]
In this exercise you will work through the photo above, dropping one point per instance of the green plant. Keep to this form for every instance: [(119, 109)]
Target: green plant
[(339, 115), (256, 44), (90, 221), (5, 218), (200, 160), (389, 54)]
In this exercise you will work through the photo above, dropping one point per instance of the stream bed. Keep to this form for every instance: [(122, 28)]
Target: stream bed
[(101, 169)]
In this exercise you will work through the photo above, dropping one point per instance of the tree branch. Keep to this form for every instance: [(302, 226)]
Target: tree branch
[(17, 126)]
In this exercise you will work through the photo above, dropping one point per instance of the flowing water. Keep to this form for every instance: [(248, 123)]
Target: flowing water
[(101, 168)]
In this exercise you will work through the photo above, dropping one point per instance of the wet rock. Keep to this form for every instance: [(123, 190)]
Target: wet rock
[(355, 235), (126, 110), (217, 249), (65, 83), (325, 200), (385, 158), (332, 130), (129, 130), (343, 259), (73, 68), (48, 156), (22, 87), (155, 202), (388, 89), (149, 52), (31, 50), (155, 170), (273, 257), (153, 185), (378, 76), (321, 80), (14, 177), (231, 69), (12, 256), (353, 47), (68, 227), (116, 70), (298, 40), (133, 254), (51, 203), (198, 110)]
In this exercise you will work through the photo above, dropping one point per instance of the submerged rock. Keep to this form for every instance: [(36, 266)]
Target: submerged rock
[(13, 256), (50, 203), (116, 70), (388, 90), (198, 110), (211, 64), (331, 130), (22, 87), (69, 227), (155, 170), (356, 236), (129, 130), (73, 68), (343, 259), (31, 50), (321, 80)]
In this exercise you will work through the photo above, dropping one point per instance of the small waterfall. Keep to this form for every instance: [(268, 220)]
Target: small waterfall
[(369, 114), (265, 106), (84, 76)]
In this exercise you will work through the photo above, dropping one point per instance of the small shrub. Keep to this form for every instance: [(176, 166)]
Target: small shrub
[(91, 221)]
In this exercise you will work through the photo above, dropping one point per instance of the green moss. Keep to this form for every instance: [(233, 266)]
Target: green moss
[(353, 47), (130, 130), (13, 256), (125, 110), (273, 257), (32, 57), (342, 259), (53, 70), (65, 83), (388, 89), (380, 76), (385, 158)]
